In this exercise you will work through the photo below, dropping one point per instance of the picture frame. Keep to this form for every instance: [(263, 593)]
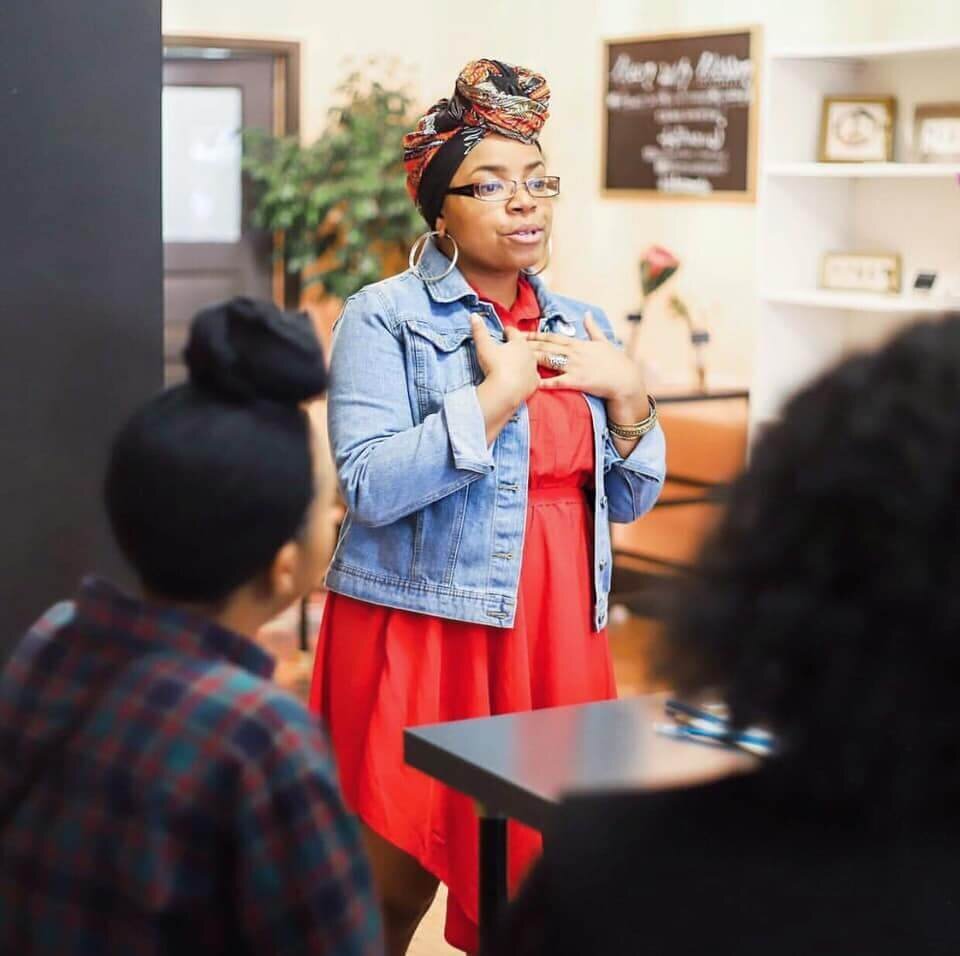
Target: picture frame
[(924, 281), (857, 128), (936, 132), (878, 273), (680, 119)]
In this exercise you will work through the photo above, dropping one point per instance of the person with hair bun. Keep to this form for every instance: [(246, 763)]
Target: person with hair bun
[(158, 793), (485, 432)]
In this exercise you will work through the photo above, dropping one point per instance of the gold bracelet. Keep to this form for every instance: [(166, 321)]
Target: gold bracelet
[(637, 429)]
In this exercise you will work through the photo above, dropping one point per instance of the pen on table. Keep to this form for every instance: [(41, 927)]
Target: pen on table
[(754, 741), (681, 709)]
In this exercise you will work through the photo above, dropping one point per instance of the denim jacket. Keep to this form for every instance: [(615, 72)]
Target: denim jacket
[(435, 518)]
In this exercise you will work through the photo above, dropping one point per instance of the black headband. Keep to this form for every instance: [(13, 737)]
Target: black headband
[(443, 167), (440, 172)]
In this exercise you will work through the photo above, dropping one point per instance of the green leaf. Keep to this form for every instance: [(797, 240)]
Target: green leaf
[(351, 174)]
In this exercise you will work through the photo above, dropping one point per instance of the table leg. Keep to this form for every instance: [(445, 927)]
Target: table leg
[(493, 873), (304, 629)]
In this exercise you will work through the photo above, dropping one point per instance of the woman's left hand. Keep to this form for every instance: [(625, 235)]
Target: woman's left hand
[(596, 366)]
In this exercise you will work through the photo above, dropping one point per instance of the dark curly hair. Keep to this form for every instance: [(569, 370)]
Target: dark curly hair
[(826, 603)]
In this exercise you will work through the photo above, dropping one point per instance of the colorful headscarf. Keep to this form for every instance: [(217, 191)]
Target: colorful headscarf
[(490, 97)]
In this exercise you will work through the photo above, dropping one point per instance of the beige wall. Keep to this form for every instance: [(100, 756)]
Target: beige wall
[(597, 240), (429, 37)]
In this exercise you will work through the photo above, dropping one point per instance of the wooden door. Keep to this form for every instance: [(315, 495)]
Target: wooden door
[(210, 251)]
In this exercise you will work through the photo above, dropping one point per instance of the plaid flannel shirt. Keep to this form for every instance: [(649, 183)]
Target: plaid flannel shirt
[(158, 792)]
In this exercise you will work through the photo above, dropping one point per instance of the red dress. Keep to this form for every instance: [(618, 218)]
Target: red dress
[(379, 669)]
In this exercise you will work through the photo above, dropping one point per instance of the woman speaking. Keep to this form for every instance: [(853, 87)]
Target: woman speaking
[(485, 432)]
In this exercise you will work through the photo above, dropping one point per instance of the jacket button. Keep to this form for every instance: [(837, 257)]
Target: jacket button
[(603, 502), (603, 563)]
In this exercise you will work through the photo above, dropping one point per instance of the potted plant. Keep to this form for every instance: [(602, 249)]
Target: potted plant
[(341, 207), (339, 202)]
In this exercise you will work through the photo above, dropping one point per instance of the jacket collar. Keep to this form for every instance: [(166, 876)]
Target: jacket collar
[(105, 612), (455, 288)]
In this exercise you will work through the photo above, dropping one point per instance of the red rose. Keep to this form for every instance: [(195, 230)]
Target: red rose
[(656, 266)]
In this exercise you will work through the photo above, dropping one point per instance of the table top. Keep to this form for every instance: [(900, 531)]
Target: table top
[(521, 765), (668, 395)]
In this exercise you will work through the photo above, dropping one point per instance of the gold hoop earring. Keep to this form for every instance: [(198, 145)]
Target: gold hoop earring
[(419, 249)]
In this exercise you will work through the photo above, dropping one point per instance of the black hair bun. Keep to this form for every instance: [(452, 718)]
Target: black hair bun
[(245, 349)]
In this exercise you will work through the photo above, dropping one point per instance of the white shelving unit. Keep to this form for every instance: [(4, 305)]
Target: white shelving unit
[(863, 170), (855, 301), (807, 208)]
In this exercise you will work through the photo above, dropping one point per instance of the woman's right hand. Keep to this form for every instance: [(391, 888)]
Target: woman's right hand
[(510, 375)]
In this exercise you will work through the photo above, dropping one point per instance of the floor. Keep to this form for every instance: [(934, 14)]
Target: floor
[(631, 641)]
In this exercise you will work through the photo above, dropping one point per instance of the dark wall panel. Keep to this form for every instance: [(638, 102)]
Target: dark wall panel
[(81, 312)]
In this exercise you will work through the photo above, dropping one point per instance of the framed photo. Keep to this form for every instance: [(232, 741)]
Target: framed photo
[(857, 129), (936, 132), (924, 281), (861, 272)]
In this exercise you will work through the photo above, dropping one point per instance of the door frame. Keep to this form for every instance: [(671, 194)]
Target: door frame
[(286, 113)]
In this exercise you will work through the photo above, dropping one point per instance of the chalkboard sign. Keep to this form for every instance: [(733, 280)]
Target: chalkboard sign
[(681, 115)]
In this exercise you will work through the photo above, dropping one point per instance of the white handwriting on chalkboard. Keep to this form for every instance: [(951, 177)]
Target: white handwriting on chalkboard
[(629, 73), (648, 74), (712, 70), (685, 162), (676, 76), (689, 115), (695, 185), (682, 137), (626, 102)]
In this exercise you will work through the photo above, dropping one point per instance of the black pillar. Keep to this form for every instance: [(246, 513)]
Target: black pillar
[(81, 312)]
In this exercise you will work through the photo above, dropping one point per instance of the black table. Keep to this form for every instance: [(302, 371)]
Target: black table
[(518, 766)]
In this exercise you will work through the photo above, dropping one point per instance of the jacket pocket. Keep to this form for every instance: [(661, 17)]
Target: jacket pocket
[(443, 359)]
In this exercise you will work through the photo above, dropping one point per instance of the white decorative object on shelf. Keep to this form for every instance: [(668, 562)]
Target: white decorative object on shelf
[(936, 135), (807, 209), (857, 129), (861, 272)]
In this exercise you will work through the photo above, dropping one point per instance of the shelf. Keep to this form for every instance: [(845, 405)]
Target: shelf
[(859, 301), (870, 51), (808, 208), (863, 170)]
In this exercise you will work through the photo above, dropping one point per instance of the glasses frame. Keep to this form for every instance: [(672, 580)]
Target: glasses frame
[(470, 189)]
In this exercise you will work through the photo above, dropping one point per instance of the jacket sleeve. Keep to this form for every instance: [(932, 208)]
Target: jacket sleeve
[(388, 466), (632, 484)]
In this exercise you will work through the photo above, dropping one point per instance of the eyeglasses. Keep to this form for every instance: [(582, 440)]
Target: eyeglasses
[(495, 190)]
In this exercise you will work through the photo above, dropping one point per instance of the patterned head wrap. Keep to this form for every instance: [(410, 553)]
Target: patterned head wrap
[(490, 97)]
